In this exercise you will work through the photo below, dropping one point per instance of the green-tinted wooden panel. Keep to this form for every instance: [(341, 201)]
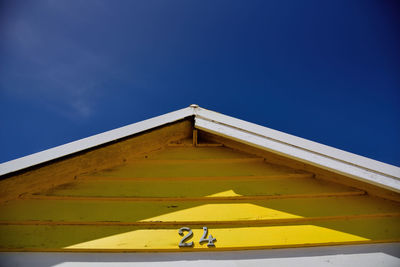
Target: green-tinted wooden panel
[(192, 211), (246, 203), (195, 168), (198, 187), (185, 153)]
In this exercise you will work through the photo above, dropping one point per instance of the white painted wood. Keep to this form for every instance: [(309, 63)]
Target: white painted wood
[(297, 152), (360, 255), (358, 167), (302, 143), (93, 141)]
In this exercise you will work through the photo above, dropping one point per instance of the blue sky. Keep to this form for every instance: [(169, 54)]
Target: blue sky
[(327, 71)]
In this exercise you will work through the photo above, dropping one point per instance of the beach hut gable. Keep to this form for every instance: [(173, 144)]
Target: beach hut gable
[(195, 180)]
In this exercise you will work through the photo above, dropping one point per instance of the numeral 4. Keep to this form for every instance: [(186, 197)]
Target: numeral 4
[(210, 239)]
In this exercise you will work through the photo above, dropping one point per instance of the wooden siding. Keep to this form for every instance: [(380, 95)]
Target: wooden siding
[(65, 170), (319, 173), (246, 203)]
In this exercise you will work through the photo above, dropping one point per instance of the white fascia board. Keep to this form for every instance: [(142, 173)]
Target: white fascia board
[(358, 167), (93, 141)]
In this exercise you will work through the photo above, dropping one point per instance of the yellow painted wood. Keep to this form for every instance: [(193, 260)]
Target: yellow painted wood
[(66, 170), (166, 162), (194, 137), (188, 153), (195, 212), (139, 199), (291, 163), (128, 238), (194, 169), (209, 145), (189, 144), (215, 198), (199, 187)]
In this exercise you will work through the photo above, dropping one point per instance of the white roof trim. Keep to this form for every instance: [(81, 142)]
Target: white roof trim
[(339, 161), (92, 141)]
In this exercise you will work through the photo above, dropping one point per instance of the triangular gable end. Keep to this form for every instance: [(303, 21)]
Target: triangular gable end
[(339, 161), (133, 188)]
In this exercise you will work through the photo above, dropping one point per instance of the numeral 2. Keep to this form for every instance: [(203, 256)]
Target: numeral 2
[(182, 243), (210, 240)]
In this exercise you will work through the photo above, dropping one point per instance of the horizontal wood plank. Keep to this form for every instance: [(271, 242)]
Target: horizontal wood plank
[(202, 152), (195, 168), (246, 203), (198, 187), (209, 199), (128, 238), (195, 212)]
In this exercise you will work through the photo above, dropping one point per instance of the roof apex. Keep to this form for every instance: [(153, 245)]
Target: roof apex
[(339, 161)]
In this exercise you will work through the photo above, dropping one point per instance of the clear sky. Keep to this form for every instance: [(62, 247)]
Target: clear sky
[(328, 71)]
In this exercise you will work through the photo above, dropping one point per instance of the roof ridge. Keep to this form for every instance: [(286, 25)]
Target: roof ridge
[(356, 166)]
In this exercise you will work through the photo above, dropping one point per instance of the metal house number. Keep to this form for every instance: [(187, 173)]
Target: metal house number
[(210, 240)]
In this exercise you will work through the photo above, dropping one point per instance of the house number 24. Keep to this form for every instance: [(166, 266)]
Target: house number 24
[(210, 240)]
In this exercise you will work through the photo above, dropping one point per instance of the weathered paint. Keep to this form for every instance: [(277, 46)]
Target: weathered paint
[(131, 238), (247, 203), (366, 170), (174, 187), (110, 155), (177, 212), (319, 173), (93, 141), (310, 151)]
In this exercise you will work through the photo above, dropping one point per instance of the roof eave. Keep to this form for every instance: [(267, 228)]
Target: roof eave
[(339, 161), (93, 141)]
